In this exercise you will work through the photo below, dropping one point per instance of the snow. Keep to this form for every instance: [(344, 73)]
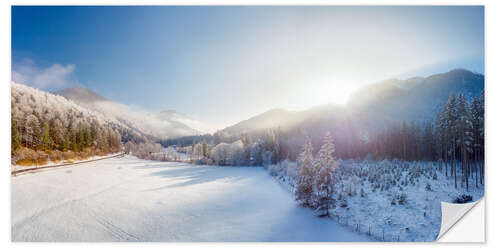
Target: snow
[(375, 213), (128, 199)]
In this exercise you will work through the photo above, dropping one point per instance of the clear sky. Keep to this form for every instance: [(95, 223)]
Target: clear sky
[(225, 64)]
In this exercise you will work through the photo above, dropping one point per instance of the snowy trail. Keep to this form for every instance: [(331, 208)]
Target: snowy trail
[(128, 199)]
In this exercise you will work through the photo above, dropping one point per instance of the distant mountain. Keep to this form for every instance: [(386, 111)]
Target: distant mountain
[(381, 92), (163, 125), (270, 119), (81, 94), (417, 98), (175, 116)]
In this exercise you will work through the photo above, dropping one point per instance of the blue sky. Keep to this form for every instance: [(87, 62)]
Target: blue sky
[(225, 64)]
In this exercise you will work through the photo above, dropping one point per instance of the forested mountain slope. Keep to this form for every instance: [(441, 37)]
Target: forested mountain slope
[(50, 127)]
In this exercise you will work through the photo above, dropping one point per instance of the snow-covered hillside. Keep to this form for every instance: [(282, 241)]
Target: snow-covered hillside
[(161, 125), (49, 128), (27, 100), (43, 102), (128, 199)]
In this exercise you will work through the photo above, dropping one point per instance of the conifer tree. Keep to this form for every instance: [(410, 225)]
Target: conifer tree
[(464, 127), (324, 179), (32, 131), (404, 136), (450, 115), (46, 140), (428, 141), (476, 133), (443, 139), (66, 144), (481, 136), (74, 146), (15, 143), (305, 180)]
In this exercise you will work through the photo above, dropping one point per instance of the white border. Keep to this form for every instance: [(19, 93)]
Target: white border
[(492, 68)]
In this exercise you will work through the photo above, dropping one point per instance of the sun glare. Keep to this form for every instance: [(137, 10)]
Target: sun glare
[(337, 92)]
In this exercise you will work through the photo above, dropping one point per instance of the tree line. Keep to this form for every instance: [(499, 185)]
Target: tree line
[(455, 139), (36, 133)]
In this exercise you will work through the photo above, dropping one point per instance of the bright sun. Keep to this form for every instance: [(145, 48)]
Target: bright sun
[(331, 93)]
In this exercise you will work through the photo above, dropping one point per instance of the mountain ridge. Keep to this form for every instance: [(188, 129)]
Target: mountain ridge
[(415, 98), (80, 94)]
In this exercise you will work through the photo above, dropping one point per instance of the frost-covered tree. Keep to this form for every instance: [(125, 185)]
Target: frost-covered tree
[(450, 115), (228, 153), (32, 131), (129, 147), (267, 158), (46, 124), (57, 132), (441, 138), (326, 167), (479, 119), (197, 152), (220, 153), (481, 135), (305, 176), (475, 117), (255, 154), (464, 129), (460, 138)]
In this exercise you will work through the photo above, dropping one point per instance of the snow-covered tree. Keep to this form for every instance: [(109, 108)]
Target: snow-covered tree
[(46, 124), (305, 178), (220, 153), (267, 158), (326, 167), (197, 152), (32, 131), (450, 115), (57, 132), (255, 154), (228, 153), (477, 116), (46, 139), (464, 129), (441, 138)]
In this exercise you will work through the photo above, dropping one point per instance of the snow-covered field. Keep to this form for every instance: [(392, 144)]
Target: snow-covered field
[(128, 199)]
